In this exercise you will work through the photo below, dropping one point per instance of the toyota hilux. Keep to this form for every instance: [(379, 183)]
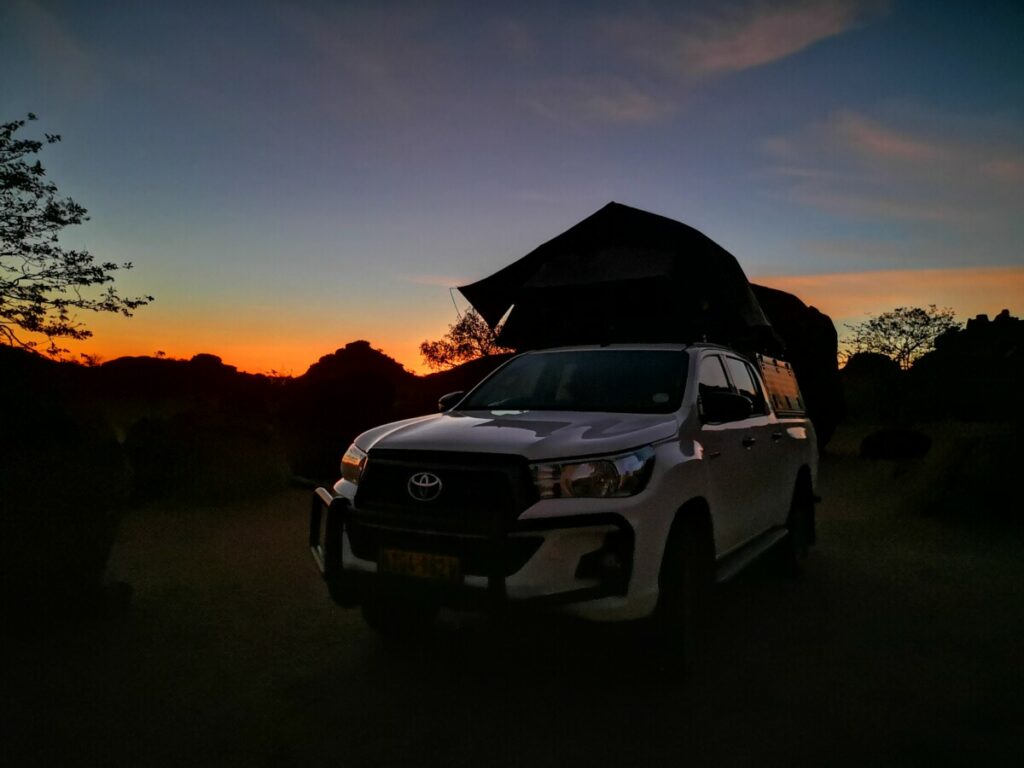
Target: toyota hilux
[(611, 482)]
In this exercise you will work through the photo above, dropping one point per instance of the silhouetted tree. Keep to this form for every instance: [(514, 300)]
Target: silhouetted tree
[(466, 340), (41, 282), (903, 334)]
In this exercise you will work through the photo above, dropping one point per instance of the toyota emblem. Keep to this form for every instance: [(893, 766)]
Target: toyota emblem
[(424, 486)]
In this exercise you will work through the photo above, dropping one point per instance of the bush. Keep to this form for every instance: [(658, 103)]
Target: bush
[(63, 487), (205, 456), (872, 385)]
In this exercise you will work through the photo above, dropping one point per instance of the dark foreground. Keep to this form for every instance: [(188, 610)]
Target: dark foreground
[(901, 645)]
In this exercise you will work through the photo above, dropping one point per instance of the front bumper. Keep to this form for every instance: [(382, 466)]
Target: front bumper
[(535, 564)]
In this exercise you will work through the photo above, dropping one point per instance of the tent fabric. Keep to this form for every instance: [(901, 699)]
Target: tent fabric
[(623, 275)]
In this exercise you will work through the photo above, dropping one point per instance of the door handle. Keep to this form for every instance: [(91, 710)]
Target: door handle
[(748, 442)]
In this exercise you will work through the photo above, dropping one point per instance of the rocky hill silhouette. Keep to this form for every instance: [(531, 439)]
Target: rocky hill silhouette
[(974, 373), (78, 443), (201, 429), (342, 394), (967, 387)]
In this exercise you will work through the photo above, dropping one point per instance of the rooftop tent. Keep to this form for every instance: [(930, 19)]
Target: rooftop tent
[(623, 275)]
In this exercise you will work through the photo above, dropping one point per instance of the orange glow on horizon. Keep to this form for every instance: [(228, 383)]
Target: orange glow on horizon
[(255, 348), (851, 296)]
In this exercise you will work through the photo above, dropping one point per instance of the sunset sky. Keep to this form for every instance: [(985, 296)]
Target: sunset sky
[(291, 176)]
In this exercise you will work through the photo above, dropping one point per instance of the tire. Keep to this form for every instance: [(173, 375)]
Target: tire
[(800, 529), (399, 617), (342, 592), (685, 584)]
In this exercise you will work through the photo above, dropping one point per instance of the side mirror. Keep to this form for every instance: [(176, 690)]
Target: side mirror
[(719, 407), (446, 402)]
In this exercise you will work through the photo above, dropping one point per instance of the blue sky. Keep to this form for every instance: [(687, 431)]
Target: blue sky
[(288, 177)]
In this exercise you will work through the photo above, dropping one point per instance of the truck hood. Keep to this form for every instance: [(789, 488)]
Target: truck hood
[(536, 435)]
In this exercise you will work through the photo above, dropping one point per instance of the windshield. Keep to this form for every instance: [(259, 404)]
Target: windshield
[(613, 381)]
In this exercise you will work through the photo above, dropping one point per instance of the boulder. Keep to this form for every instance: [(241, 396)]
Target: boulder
[(811, 345)]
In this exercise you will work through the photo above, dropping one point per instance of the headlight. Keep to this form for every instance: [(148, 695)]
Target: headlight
[(352, 463), (624, 474)]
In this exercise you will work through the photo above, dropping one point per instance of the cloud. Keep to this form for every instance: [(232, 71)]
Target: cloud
[(871, 138), (651, 61), (605, 99), (1009, 168), (764, 33), (880, 205), (736, 37), (921, 167)]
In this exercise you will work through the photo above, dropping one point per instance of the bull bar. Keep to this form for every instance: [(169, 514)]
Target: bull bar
[(330, 514)]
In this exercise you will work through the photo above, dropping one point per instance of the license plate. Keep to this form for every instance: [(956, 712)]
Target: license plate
[(420, 565)]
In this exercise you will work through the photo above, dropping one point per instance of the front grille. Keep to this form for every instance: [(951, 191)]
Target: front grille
[(480, 493)]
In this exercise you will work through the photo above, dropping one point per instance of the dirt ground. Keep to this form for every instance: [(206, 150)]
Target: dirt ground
[(900, 646)]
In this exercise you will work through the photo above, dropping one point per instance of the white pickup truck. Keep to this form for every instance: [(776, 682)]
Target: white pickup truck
[(611, 482)]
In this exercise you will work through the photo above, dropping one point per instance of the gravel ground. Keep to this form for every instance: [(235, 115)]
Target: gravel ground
[(900, 645)]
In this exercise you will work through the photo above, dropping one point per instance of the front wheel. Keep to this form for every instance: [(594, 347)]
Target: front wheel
[(684, 584)]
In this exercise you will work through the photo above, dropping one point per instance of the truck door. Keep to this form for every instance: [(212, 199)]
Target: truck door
[(763, 438), (731, 472)]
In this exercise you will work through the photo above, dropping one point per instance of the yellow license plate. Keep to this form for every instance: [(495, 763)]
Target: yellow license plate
[(420, 565)]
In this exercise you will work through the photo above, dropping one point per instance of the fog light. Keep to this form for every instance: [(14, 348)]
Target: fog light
[(612, 564)]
